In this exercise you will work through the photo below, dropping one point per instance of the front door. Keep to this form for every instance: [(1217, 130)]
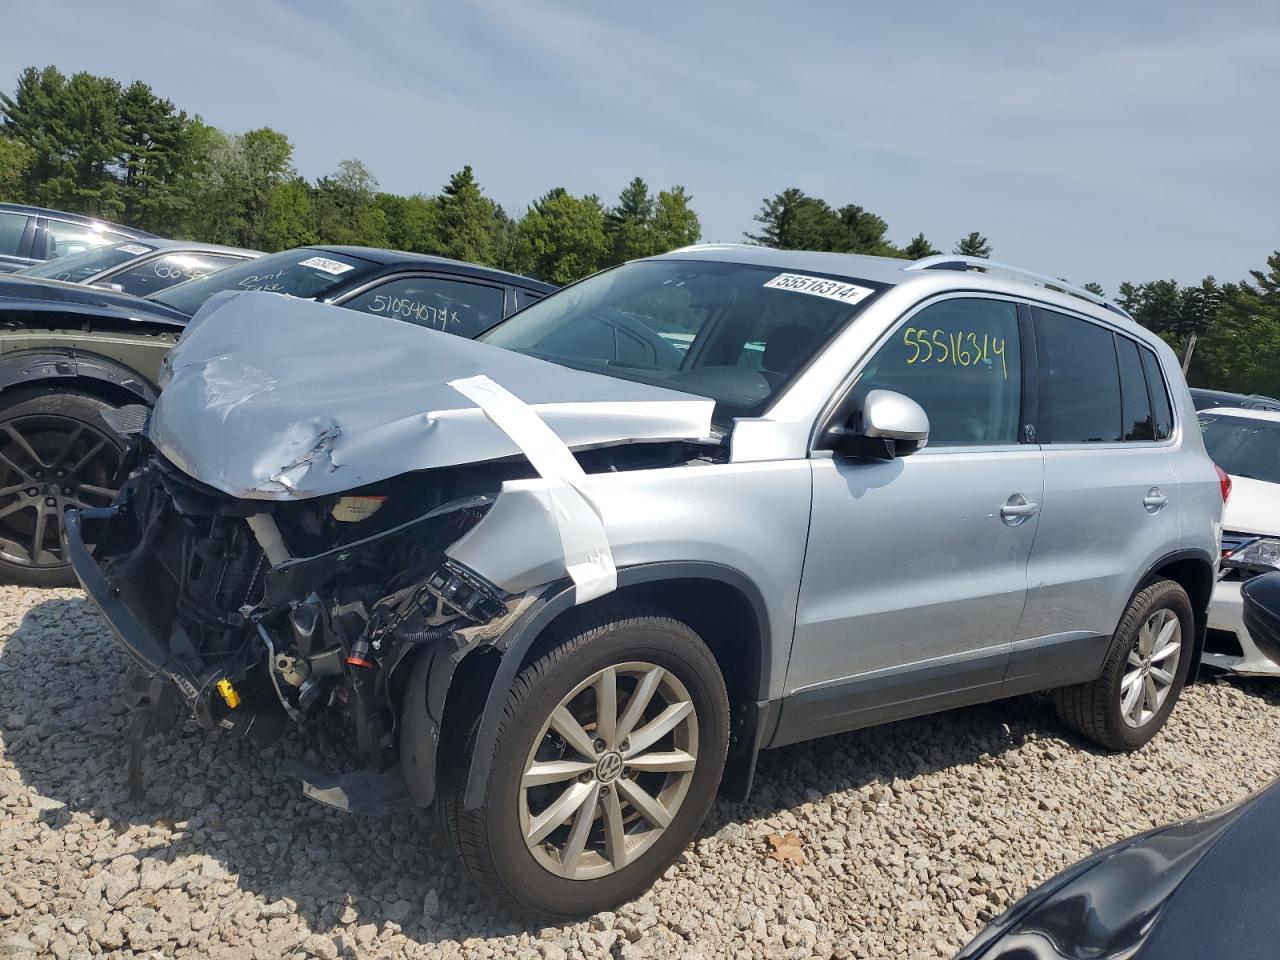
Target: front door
[(916, 570)]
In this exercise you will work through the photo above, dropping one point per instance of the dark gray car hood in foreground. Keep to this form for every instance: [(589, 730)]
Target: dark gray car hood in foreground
[(38, 295), (1205, 887), (268, 397)]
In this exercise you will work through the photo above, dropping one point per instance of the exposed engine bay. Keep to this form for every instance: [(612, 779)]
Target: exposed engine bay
[(307, 534), (253, 614)]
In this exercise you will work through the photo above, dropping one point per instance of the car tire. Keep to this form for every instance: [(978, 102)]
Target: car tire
[(34, 426), (572, 870), (1135, 693)]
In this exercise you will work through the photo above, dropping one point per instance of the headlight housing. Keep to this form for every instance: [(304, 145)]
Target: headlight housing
[(1257, 555)]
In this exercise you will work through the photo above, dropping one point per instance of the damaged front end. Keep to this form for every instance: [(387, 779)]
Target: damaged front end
[(248, 613), (307, 534)]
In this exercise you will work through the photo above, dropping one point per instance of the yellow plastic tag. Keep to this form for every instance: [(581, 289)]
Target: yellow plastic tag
[(228, 692)]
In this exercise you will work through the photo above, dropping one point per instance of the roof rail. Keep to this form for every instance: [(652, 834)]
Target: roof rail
[(954, 261)]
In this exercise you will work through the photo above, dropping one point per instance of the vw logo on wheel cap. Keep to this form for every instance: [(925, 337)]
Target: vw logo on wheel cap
[(609, 767)]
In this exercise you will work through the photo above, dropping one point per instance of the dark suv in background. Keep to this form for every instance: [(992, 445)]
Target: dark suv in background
[(32, 234), (68, 352)]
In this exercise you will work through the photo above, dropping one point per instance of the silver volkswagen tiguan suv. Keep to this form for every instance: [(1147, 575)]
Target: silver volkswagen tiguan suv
[(561, 583)]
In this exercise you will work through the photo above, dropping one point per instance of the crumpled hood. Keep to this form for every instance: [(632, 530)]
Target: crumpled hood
[(273, 398)]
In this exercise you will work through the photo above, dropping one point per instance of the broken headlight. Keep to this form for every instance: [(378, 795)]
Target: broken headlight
[(1259, 555)]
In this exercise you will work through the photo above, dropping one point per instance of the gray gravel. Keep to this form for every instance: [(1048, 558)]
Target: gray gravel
[(915, 834)]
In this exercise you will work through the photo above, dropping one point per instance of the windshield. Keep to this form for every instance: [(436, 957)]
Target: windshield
[(299, 273), (731, 332), (1243, 446), (82, 266)]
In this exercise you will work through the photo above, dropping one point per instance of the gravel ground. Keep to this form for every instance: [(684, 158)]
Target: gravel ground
[(914, 834)]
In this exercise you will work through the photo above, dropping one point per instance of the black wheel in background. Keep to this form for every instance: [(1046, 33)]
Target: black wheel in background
[(56, 453)]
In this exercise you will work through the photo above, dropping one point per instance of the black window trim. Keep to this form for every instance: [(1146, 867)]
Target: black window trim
[(1038, 309), (838, 410)]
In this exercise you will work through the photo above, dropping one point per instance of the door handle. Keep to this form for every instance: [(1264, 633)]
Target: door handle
[(1017, 509), (1154, 500)]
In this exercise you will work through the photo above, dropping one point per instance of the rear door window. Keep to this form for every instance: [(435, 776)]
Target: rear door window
[(12, 227), (1080, 380), (454, 306), (62, 238)]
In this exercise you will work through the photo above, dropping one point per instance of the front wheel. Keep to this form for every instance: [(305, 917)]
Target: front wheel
[(1143, 675), (609, 751)]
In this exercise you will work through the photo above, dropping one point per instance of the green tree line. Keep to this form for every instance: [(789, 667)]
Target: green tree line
[(90, 144)]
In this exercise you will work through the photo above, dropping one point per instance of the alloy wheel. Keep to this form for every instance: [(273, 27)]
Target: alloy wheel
[(1151, 668), (608, 771), (49, 464)]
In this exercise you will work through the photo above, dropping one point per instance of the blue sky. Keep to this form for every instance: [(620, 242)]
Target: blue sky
[(1097, 141)]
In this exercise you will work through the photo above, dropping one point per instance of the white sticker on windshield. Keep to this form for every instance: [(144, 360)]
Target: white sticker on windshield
[(136, 249), (327, 265), (821, 287)]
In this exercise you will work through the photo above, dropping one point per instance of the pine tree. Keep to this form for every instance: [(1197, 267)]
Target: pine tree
[(1268, 282), (467, 220), (778, 217), (628, 227), (919, 248), (72, 126), (973, 245), (156, 155)]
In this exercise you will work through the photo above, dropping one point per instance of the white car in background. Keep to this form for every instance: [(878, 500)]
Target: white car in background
[(1246, 444)]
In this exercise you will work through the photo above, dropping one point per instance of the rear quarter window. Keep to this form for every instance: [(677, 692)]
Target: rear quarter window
[(1158, 390)]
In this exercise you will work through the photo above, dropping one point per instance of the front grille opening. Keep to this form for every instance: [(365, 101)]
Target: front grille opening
[(1222, 642)]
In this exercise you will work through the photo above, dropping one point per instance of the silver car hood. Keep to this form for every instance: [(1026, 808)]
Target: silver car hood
[(272, 398)]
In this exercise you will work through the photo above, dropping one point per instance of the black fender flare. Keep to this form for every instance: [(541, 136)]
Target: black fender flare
[(1201, 615), (422, 715), (558, 598), (41, 365)]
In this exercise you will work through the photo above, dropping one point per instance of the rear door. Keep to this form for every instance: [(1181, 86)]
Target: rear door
[(1110, 496)]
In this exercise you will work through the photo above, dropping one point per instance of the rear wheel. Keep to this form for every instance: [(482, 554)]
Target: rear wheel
[(609, 752), (1143, 675), (56, 453)]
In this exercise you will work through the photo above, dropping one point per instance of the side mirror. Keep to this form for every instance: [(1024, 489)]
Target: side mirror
[(889, 425)]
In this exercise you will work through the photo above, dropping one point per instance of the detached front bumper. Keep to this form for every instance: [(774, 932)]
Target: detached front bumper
[(147, 650), (1226, 613)]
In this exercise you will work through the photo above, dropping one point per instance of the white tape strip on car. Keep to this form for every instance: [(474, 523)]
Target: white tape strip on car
[(587, 556)]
